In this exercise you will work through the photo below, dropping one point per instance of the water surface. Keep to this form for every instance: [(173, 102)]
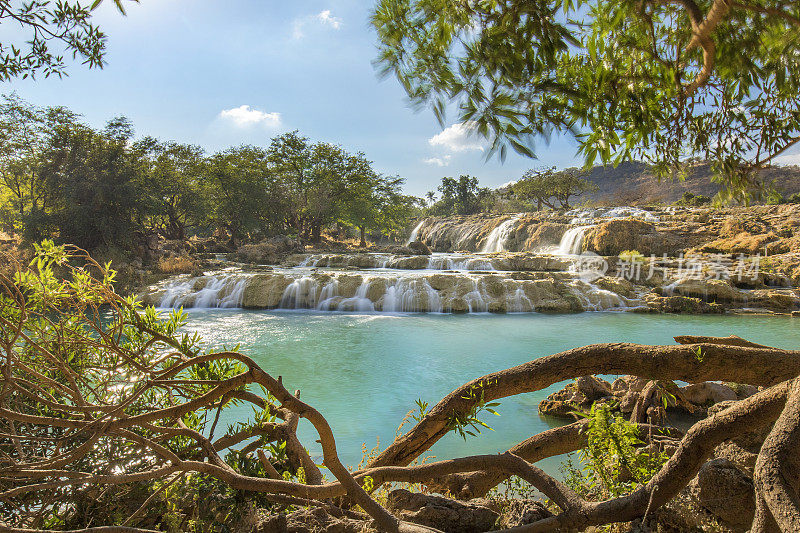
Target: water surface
[(363, 372)]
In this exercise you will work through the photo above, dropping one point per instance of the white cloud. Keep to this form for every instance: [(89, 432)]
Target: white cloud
[(327, 19), (508, 184), (245, 116), (438, 161), (457, 138), (324, 18)]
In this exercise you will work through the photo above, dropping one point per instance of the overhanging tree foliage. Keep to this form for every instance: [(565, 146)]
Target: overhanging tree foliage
[(658, 80), (43, 25)]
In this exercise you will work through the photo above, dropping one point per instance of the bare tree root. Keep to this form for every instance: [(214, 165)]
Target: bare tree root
[(692, 363), (556, 441), (777, 472)]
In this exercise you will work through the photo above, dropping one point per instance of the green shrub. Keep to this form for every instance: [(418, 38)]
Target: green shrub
[(614, 462)]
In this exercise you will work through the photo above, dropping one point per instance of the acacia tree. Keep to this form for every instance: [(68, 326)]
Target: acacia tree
[(171, 181), (460, 196), (551, 188), (91, 179), (662, 81), (323, 182), (377, 203), (24, 133), (243, 190)]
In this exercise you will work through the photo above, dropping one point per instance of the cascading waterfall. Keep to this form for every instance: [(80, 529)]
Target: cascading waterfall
[(415, 232), (327, 295), (300, 294), (572, 241), (381, 291), (518, 302), (593, 298), (360, 301), (457, 262), (496, 240), (590, 215), (475, 299), (407, 295), (223, 291)]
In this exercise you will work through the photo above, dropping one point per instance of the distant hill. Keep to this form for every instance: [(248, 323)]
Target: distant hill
[(632, 183)]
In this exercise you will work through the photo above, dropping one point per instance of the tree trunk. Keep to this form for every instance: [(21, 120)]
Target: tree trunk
[(363, 243)]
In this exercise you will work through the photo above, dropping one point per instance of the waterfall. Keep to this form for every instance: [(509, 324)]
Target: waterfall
[(572, 241), (360, 301), (415, 232), (300, 294), (590, 215), (327, 294), (458, 262), (475, 299), (593, 298), (214, 291), (406, 296), (496, 240), (388, 291), (518, 302)]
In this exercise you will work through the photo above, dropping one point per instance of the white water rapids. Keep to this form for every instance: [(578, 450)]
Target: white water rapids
[(496, 241), (461, 282)]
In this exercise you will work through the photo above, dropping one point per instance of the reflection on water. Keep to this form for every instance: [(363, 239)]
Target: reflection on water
[(364, 372)]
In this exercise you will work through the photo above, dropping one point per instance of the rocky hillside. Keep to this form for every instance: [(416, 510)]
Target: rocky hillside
[(632, 183), (768, 230)]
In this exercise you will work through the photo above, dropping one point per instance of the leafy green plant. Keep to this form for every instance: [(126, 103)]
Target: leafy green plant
[(698, 354), (467, 422), (632, 256), (614, 462)]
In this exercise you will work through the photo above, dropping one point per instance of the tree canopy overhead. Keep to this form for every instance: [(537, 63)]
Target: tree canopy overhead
[(660, 80), (46, 31)]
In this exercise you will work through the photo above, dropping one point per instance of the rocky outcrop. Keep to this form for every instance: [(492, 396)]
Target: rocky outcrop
[(419, 247), (268, 252), (714, 290), (616, 236), (679, 305), (541, 236), (708, 393), (626, 392), (441, 513), (575, 397), (727, 492)]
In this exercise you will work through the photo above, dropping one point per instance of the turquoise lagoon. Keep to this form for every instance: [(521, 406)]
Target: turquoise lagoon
[(363, 372)]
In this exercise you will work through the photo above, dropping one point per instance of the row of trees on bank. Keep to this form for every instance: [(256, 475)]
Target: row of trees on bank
[(536, 190), (60, 177)]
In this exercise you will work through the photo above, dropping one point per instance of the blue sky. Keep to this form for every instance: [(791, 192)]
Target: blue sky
[(217, 74)]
